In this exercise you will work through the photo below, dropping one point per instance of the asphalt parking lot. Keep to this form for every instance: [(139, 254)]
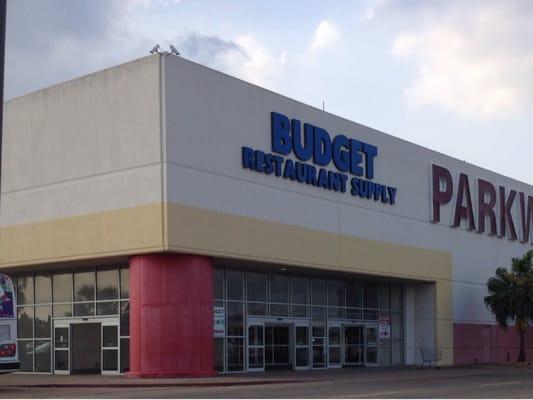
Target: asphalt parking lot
[(473, 382)]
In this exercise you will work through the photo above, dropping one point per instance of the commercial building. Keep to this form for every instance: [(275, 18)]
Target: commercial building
[(162, 218)]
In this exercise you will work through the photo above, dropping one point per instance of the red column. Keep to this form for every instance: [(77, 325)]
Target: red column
[(171, 316)]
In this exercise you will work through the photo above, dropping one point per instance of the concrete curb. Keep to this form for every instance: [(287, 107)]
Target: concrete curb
[(164, 385)]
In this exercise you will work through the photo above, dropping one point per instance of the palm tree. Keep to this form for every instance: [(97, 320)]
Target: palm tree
[(511, 296)]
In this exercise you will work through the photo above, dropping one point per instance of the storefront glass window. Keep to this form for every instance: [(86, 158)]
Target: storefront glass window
[(25, 351), (354, 313), (25, 322), (124, 283), (279, 288), (62, 283), (397, 338), (300, 311), (107, 284), (370, 295), (48, 293), (384, 297), (235, 285), (235, 319), (62, 310), (336, 299), (256, 286), (43, 357), (385, 352), (107, 308), (354, 294), (124, 318), (257, 308), (219, 283), (315, 300), (384, 342), (43, 289), (83, 309), (43, 320), (235, 357), (336, 293), (319, 353), (279, 310), (319, 321), (219, 354), (84, 287), (124, 354), (25, 289), (318, 292), (299, 290), (397, 297)]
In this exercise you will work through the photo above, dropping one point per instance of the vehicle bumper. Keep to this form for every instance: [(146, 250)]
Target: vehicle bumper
[(9, 367)]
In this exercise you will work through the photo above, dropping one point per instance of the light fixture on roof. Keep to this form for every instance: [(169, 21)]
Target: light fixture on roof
[(173, 50)]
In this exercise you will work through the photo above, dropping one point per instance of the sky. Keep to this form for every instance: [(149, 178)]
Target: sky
[(453, 76)]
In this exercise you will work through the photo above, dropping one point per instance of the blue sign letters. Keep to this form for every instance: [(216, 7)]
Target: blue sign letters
[(314, 144)]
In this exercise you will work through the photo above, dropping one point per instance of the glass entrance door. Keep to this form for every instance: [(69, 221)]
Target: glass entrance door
[(371, 348), (301, 345), (86, 345), (277, 346), (256, 347), (334, 346), (62, 349), (353, 344), (110, 349)]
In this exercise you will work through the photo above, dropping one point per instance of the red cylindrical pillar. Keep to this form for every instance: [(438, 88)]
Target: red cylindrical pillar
[(171, 316)]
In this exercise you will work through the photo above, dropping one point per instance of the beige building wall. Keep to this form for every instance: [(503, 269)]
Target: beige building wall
[(428, 324), (111, 165), (81, 168)]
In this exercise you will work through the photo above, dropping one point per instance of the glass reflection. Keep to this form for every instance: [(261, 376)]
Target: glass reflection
[(43, 320), (25, 289), (43, 289), (124, 318), (107, 308), (107, 284), (83, 309), (84, 286), (25, 322), (25, 351), (124, 355), (43, 359), (124, 283), (62, 284)]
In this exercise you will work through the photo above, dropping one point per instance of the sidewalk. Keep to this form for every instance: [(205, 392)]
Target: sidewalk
[(105, 381), (355, 375)]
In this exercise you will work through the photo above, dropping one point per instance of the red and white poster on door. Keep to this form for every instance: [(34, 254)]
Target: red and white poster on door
[(384, 327)]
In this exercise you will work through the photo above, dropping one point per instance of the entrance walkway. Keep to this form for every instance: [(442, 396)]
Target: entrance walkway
[(477, 381), (42, 380), (360, 375)]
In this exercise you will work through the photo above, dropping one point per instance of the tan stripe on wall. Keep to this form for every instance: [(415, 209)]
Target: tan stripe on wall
[(117, 232)]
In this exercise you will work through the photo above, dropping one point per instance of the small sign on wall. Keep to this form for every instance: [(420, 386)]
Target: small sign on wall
[(384, 328), (219, 322)]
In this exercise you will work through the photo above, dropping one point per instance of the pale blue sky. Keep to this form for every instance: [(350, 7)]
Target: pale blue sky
[(452, 75)]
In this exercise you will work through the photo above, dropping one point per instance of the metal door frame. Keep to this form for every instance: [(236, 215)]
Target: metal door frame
[(362, 344), (302, 324), (103, 348), (63, 325), (278, 322), (376, 346), (66, 323), (254, 322), (339, 325)]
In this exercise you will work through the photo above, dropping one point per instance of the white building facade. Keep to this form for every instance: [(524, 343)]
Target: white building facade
[(196, 223)]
